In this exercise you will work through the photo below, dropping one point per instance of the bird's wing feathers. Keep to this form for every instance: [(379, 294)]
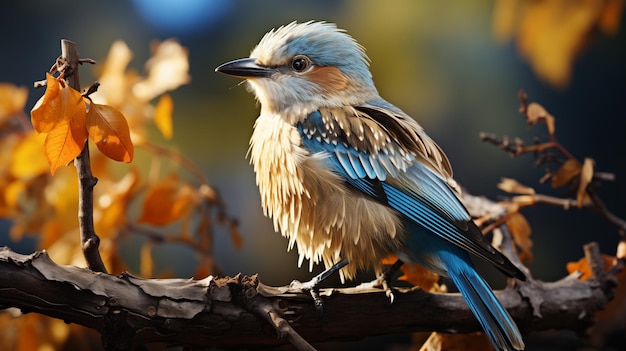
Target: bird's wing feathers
[(386, 155)]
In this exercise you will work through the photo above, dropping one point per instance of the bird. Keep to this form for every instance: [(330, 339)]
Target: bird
[(346, 175)]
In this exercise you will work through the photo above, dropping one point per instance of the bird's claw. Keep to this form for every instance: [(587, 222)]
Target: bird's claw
[(382, 281), (312, 286)]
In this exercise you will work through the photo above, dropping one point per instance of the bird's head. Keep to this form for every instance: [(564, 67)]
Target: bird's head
[(300, 67)]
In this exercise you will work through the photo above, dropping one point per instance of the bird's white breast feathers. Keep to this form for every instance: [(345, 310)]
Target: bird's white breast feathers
[(312, 207)]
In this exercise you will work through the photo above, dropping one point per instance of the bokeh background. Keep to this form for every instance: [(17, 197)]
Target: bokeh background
[(440, 61)]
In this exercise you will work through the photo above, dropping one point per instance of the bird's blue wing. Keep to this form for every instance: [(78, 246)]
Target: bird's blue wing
[(370, 157)]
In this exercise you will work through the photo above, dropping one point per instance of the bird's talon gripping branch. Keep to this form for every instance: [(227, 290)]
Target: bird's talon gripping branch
[(383, 281), (312, 286)]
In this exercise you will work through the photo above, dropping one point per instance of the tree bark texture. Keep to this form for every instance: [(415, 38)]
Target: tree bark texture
[(240, 311)]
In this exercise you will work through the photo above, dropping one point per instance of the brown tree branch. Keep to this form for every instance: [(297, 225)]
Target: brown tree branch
[(242, 312), (67, 64)]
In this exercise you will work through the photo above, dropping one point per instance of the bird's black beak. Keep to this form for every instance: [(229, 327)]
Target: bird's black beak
[(246, 68)]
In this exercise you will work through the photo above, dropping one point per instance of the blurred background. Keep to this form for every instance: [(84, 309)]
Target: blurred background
[(456, 66)]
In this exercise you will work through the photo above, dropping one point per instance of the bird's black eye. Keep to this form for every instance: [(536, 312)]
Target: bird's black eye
[(300, 63)]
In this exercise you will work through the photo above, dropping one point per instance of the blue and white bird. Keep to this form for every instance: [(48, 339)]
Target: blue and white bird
[(345, 174)]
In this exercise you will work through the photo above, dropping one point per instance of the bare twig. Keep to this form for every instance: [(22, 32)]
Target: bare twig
[(67, 64), (606, 213)]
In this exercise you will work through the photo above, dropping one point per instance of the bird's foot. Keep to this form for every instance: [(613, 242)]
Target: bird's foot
[(383, 280), (312, 286)]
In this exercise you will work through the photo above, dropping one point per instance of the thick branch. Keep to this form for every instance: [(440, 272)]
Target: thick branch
[(224, 312)]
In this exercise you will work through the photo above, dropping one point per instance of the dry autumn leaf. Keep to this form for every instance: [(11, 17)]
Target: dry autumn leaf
[(168, 68), (550, 34), (537, 113), (61, 114), (65, 141), (163, 116), (168, 201), (146, 262), (235, 235), (586, 175), (12, 101), (512, 186), (58, 102), (520, 230), (28, 159), (109, 130), (456, 342), (568, 170)]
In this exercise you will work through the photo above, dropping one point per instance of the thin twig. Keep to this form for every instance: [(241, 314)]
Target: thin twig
[(69, 61), (606, 213)]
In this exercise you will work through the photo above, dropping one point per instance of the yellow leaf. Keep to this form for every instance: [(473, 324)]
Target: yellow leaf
[(168, 201), (12, 100), (114, 81), (12, 193), (109, 130), (504, 19), (586, 176), (568, 170), (163, 116), (168, 68), (29, 159), (146, 263), (111, 199), (550, 34), (520, 230)]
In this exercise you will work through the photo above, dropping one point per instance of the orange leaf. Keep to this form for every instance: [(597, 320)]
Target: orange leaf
[(611, 16), (520, 230), (235, 235), (163, 116), (167, 201), (109, 130), (58, 102), (456, 342), (205, 267), (66, 140), (415, 274), (568, 170), (586, 176), (582, 266)]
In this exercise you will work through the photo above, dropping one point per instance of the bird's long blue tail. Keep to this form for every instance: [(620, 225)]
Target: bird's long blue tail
[(495, 320)]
